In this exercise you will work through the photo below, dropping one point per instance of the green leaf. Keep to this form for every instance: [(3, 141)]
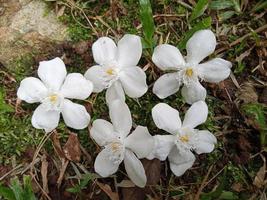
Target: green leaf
[(203, 24), (260, 6), (147, 21), (86, 178), (227, 195), (226, 15), (256, 112), (199, 9), (4, 107), (7, 193), (28, 192), (219, 5), (17, 189)]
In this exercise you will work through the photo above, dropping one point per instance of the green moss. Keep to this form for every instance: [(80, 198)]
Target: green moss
[(22, 67)]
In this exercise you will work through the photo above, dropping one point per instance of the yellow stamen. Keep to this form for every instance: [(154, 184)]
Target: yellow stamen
[(184, 138), (53, 98), (110, 71), (189, 72), (115, 146)]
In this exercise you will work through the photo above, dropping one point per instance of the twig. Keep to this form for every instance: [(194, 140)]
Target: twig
[(203, 184), (260, 29)]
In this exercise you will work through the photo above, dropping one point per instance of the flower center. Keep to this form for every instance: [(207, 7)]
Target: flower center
[(53, 101), (53, 98), (189, 72), (184, 138), (110, 71), (116, 151)]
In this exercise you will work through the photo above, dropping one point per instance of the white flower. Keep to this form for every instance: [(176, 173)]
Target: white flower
[(184, 137), (116, 68), (189, 71), (119, 145), (53, 91)]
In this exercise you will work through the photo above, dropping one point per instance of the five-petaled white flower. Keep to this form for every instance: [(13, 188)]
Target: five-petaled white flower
[(116, 68), (119, 145), (189, 71), (184, 137), (53, 91)]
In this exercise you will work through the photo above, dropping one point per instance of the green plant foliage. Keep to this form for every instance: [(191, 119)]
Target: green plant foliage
[(18, 191), (147, 21), (257, 113), (220, 193), (199, 9), (220, 5), (203, 24), (85, 180), (261, 5)]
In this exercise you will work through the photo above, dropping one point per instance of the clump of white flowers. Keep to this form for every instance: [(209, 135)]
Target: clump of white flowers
[(53, 90), (184, 137), (119, 145), (188, 71), (117, 71)]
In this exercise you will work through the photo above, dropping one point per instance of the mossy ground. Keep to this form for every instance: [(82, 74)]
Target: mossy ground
[(233, 164)]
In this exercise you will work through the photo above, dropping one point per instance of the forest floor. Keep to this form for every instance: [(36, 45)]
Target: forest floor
[(236, 169)]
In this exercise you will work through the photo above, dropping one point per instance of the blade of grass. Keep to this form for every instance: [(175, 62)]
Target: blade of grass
[(147, 21), (6, 193), (199, 9), (203, 24), (219, 5)]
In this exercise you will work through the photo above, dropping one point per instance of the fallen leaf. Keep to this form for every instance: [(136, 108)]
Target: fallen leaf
[(106, 188), (152, 169), (259, 180), (44, 168), (57, 145), (72, 149), (247, 93)]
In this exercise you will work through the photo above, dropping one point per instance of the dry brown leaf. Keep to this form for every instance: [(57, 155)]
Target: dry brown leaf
[(247, 93), (106, 188), (259, 180), (152, 169), (126, 184), (64, 164), (57, 145), (72, 149), (44, 168)]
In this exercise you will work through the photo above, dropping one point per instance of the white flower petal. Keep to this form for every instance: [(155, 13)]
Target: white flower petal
[(140, 142), (180, 162), (167, 118), (95, 74), (166, 85), (133, 81), (134, 169), (197, 114), (31, 90), (163, 146), (194, 92), (215, 70), (200, 45), (120, 116), (167, 57), (206, 142), (45, 119), (103, 165), (102, 132), (104, 50), (52, 73), (115, 91), (75, 115), (129, 50), (76, 87)]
